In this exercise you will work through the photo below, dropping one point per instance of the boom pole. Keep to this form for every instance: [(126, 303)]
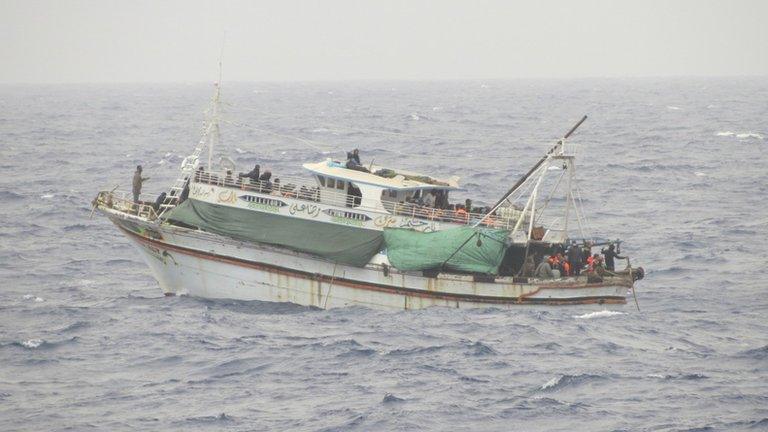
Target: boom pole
[(538, 164)]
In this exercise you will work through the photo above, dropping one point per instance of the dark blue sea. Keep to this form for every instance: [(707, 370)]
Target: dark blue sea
[(677, 168)]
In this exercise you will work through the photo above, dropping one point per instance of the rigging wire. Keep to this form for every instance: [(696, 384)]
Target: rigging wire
[(313, 144), (549, 197), (338, 128)]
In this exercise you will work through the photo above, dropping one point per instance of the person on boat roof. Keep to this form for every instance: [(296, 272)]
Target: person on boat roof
[(138, 182), (253, 174), (610, 254), (353, 161), (354, 156)]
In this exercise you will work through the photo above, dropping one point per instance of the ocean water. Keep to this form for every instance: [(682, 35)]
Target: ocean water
[(675, 167)]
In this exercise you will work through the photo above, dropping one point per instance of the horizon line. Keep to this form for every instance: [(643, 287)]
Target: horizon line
[(380, 79)]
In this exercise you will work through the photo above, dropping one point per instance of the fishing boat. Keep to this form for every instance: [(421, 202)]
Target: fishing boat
[(354, 234)]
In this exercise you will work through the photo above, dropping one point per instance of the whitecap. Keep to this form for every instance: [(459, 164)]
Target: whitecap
[(699, 174), (551, 383), (239, 150), (167, 154), (32, 343), (673, 108), (740, 135), (46, 196), (415, 116), (599, 314), (437, 108), (483, 85), (161, 162), (749, 135)]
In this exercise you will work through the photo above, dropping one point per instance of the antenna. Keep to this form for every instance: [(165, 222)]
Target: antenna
[(216, 136)]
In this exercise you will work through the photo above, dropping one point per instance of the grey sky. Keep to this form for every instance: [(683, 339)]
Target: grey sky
[(159, 41)]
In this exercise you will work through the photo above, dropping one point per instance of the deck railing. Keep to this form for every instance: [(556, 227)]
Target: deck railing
[(300, 189), (123, 201)]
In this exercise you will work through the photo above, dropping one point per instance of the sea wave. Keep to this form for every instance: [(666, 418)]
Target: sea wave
[(599, 314), (566, 380)]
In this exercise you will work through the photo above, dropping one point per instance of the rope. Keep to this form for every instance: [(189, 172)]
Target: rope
[(551, 194), (339, 127), (314, 145), (383, 132), (577, 190), (328, 294), (442, 266)]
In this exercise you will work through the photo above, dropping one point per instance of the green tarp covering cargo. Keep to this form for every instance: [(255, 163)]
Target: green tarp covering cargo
[(465, 249), (338, 243)]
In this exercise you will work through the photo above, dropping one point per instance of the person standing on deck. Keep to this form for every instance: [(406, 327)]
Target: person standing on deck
[(138, 181), (575, 258), (252, 174), (610, 254)]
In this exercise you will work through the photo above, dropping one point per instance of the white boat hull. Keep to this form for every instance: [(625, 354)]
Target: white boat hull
[(200, 264)]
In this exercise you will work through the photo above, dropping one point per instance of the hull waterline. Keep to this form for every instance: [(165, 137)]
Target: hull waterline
[(195, 263)]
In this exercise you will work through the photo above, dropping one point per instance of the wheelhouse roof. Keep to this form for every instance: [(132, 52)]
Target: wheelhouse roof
[(403, 180)]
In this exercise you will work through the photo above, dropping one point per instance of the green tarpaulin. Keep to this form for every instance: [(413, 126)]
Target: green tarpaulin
[(338, 243), (413, 250)]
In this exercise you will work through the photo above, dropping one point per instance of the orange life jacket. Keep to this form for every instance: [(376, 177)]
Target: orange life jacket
[(462, 215)]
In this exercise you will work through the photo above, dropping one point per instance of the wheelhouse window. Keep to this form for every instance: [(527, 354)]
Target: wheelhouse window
[(340, 184), (330, 183), (321, 179)]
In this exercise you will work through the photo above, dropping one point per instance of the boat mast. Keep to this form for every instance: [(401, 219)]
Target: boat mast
[(568, 194), (215, 135), (191, 162), (558, 147), (554, 148)]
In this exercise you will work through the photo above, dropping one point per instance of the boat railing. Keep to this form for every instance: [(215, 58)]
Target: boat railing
[(123, 202), (301, 189)]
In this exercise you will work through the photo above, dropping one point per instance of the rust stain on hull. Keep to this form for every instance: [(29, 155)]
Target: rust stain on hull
[(409, 294)]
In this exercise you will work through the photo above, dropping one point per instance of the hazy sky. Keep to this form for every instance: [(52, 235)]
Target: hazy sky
[(160, 41)]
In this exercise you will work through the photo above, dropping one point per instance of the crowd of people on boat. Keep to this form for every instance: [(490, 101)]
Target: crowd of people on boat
[(429, 204), (261, 182), (434, 205), (573, 261)]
